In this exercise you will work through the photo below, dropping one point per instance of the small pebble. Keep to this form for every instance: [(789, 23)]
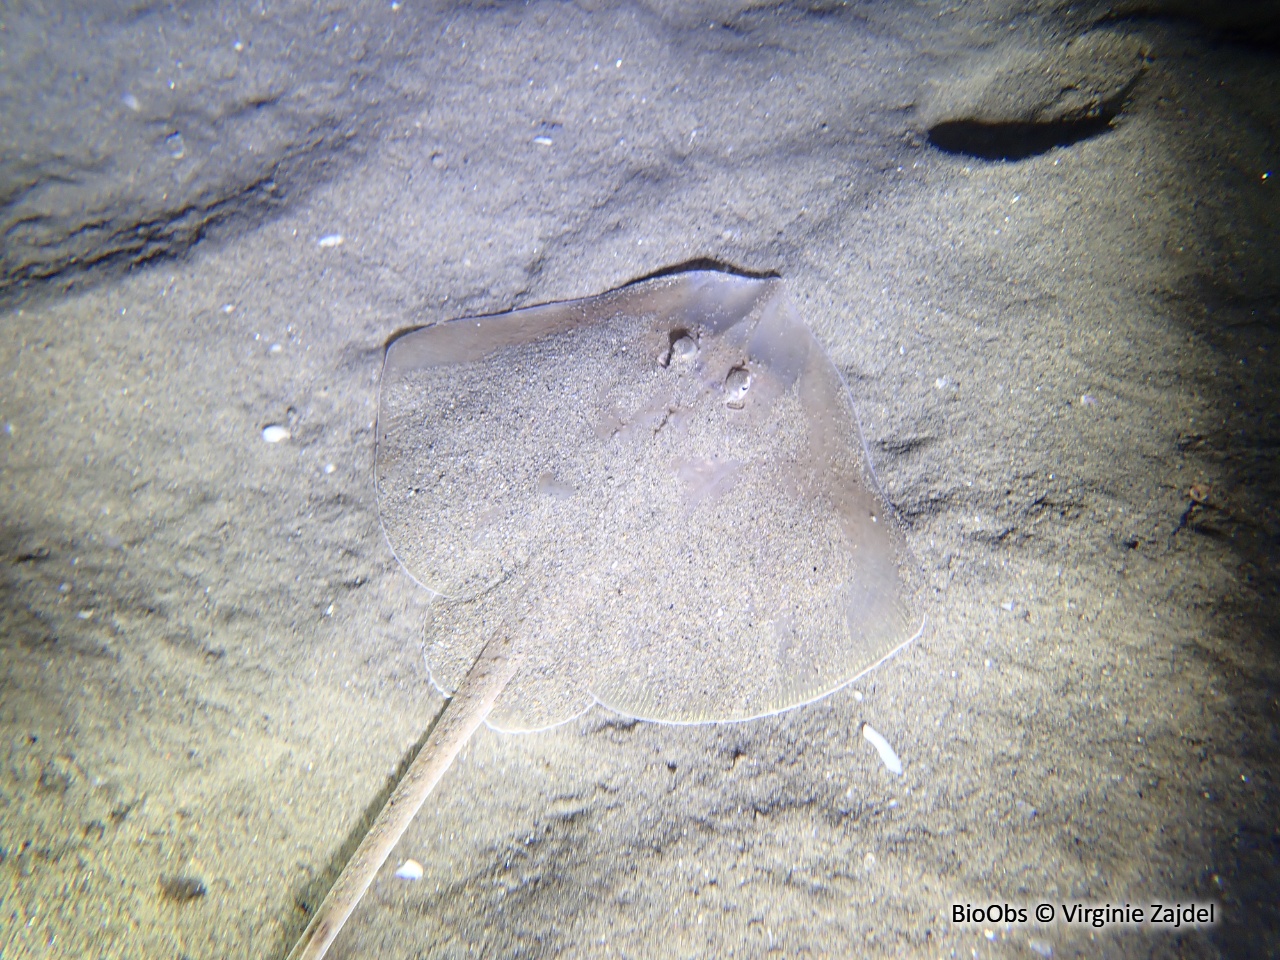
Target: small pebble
[(181, 888), (889, 758), (332, 240), (410, 870), (543, 141), (274, 434)]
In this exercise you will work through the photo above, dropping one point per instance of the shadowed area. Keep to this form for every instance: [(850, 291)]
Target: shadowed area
[(1013, 141)]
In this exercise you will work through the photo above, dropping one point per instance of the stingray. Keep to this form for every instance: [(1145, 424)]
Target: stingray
[(656, 500)]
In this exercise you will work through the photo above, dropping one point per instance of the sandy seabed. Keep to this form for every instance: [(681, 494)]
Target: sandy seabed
[(1059, 331)]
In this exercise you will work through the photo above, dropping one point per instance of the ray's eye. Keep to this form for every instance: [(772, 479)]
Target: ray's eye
[(682, 348), (736, 385)]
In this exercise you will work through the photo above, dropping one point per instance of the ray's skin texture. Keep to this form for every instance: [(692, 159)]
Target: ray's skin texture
[(662, 496), (665, 485)]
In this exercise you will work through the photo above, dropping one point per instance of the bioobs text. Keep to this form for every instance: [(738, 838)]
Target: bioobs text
[(991, 913)]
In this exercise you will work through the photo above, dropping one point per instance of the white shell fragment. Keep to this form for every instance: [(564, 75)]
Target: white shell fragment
[(274, 433), (889, 758), (409, 870), (332, 240)]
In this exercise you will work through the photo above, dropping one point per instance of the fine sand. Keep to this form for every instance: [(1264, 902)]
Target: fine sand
[(1060, 334)]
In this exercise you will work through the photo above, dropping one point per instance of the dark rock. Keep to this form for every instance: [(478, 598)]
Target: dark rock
[(1018, 103), (182, 888)]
